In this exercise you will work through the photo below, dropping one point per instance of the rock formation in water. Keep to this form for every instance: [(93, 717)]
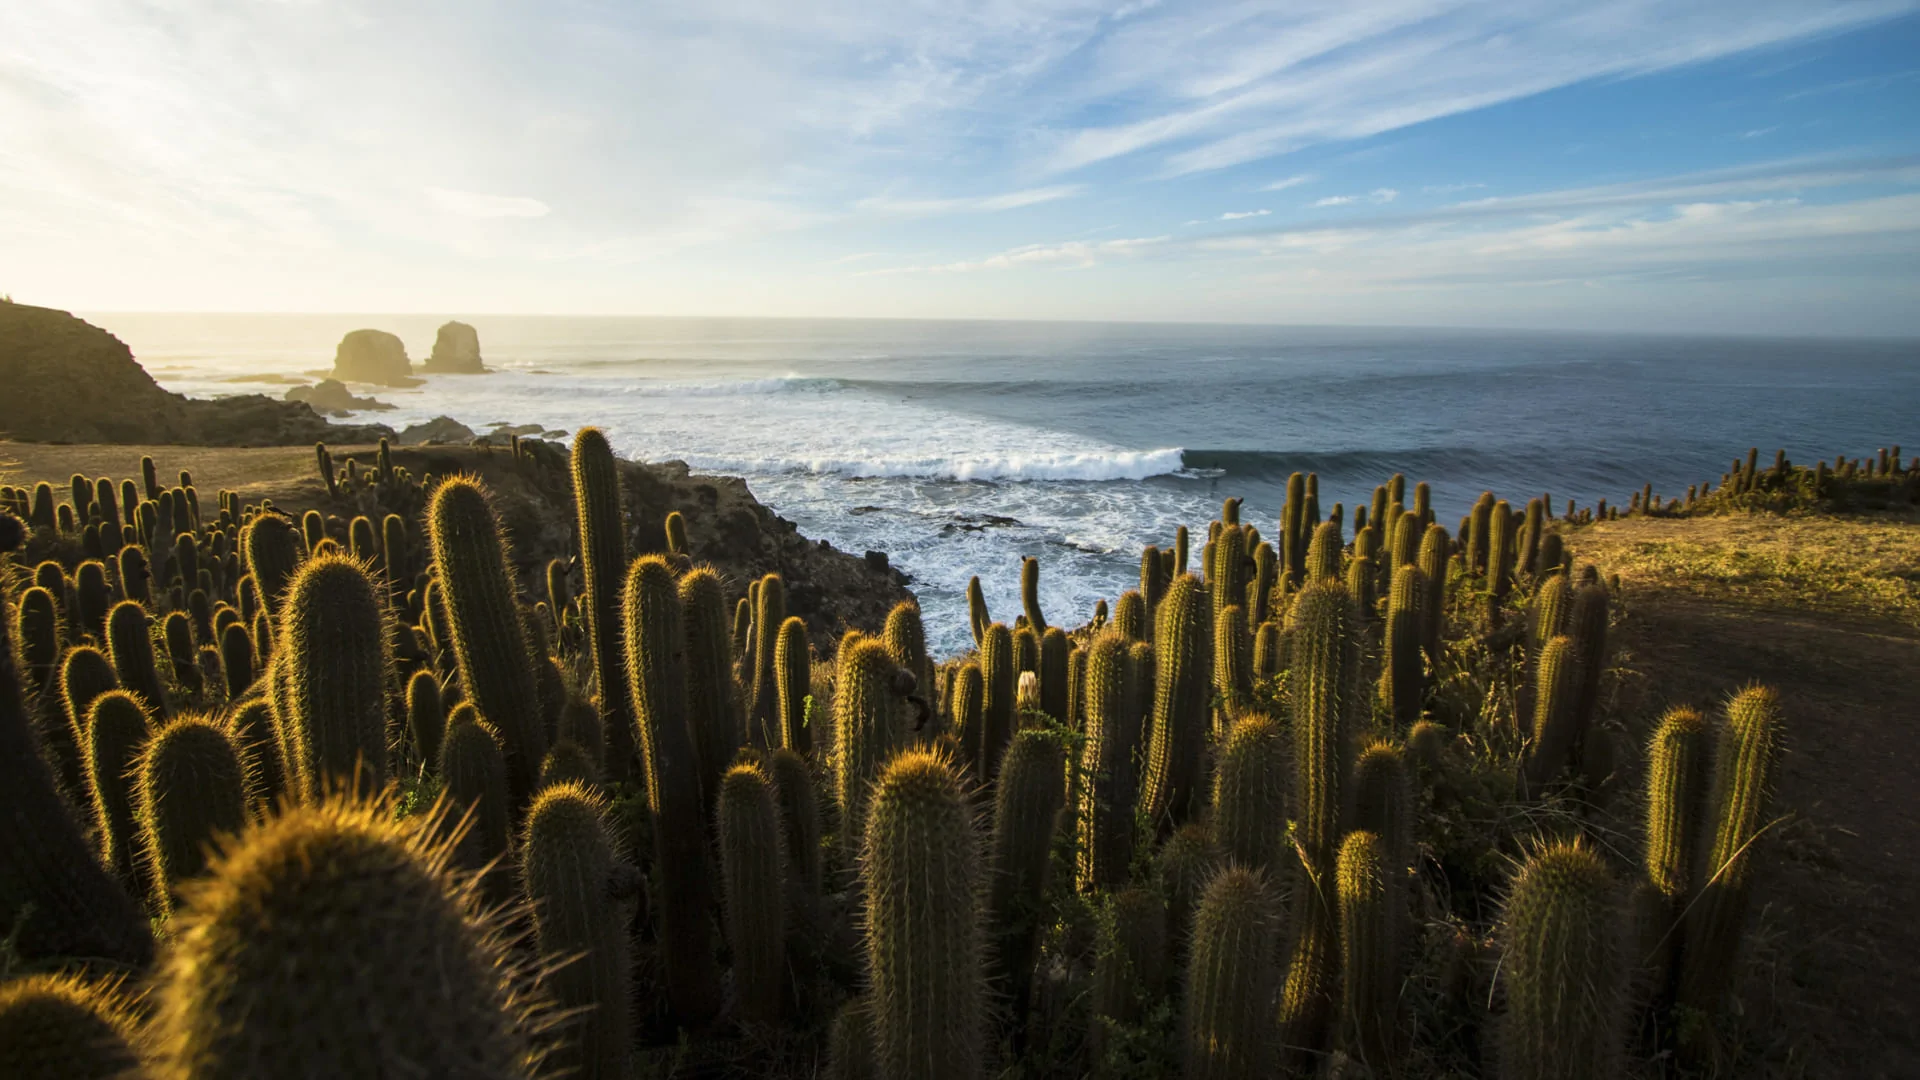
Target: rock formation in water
[(456, 351), (373, 356), (63, 379), (330, 397)]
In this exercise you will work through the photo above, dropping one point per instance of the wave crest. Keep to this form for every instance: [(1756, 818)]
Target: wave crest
[(1004, 468)]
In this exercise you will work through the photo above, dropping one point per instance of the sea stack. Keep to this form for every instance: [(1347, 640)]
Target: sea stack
[(373, 356), (456, 351)]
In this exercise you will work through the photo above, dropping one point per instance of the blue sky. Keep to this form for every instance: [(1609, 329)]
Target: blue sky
[(1748, 166)]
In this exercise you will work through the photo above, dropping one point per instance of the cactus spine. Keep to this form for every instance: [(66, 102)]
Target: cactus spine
[(1555, 712), (752, 868), (1563, 969), (342, 890), (1744, 765), (799, 817), (272, 550), (1250, 794), (489, 639), (656, 673), (117, 732), (1030, 595), (1180, 706), (977, 617), (1228, 1026), (190, 788), (603, 559), (567, 863), (252, 726), (1552, 610), (1403, 676), (1369, 952), (967, 708), (426, 716), (60, 1027), (866, 723), (1027, 805), (793, 670), (474, 773), (769, 612), (998, 679), (922, 882), (131, 648), (1106, 794), (712, 712), (1232, 663), (333, 674)]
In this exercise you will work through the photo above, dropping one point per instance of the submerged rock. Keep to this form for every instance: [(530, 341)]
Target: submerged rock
[(456, 351), (373, 356), (331, 396)]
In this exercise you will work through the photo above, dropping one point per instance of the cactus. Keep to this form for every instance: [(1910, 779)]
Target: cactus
[(1530, 532), (1678, 761), (1563, 969), (1743, 777), (334, 674), (867, 724), (799, 817), (132, 653), (1250, 794), (603, 559), (252, 727), (1552, 611), (1587, 625), (977, 617), (473, 772), (268, 976), (1027, 804), (1106, 794), (1180, 713), (177, 631), (236, 659), (426, 717), (1369, 949), (752, 870), (1267, 650), (116, 734), (567, 762), (712, 713), (1182, 867), (1228, 1024), (1232, 663), (1055, 685), (921, 876), (313, 527), (1552, 554), (39, 632), (793, 673), (1153, 580), (1323, 554), (656, 674), (489, 640), (1478, 534), (1130, 615), (1324, 696), (1179, 552), (1294, 527), (967, 707), (61, 1027), (567, 862), (1556, 720), (998, 680), (59, 898), (769, 612), (850, 1043), (190, 787), (1362, 574), (1500, 551), (1030, 594), (677, 534), (85, 673), (271, 548), (906, 639), (1077, 684), (1130, 968), (1403, 676), (1434, 545)]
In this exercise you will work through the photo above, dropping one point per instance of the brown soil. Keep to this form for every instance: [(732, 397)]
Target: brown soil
[(1812, 607)]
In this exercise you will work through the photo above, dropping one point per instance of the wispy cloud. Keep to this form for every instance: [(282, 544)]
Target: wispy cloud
[(1377, 195), (1078, 254), (928, 207), (1755, 133), (1448, 189), (1289, 182), (473, 204)]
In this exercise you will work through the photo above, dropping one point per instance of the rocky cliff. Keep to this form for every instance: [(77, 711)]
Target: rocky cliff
[(373, 356), (456, 351), (63, 379)]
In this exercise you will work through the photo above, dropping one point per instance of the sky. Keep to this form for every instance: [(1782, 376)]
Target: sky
[(1747, 166)]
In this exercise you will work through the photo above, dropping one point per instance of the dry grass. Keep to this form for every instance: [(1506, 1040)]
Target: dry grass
[(1867, 567)]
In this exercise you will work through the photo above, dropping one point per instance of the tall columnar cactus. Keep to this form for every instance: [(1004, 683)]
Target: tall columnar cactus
[(1434, 545), (967, 706), (489, 640), (568, 864), (1179, 552), (1323, 552), (1106, 793), (1130, 969), (61, 898), (799, 818), (131, 648), (1369, 950), (236, 659), (1552, 611), (426, 717), (921, 876), (867, 723), (1055, 684), (1153, 580), (793, 675), (603, 561), (1268, 647), (1556, 718), (190, 788), (1552, 554), (977, 617), (1130, 615), (333, 670), (1679, 759), (1027, 804), (90, 588), (656, 674), (1181, 721), (999, 677), (177, 631), (1530, 532), (1743, 776), (268, 974), (1232, 662), (38, 631), (62, 1027), (753, 871), (1030, 594), (906, 639), (1228, 1030), (1250, 795), (1587, 624), (1563, 968), (1479, 533), (117, 731), (1403, 677), (1500, 551), (85, 673), (1294, 529), (1363, 585), (252, 726), (712, 711), (271, 547), (473, 773), (769, 612), (677, 534), (1260, 589)]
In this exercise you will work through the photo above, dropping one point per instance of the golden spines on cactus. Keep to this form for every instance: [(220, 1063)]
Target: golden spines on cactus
[(1563, 968), (1228, 1027), (793, 673), (1250, 794), (117, 729), (63, 1027), (268, 972), (867, 721), (712, 712), (770, 610), (1369, 951), (1027, 803), (190, 788), (1181, 719), (753, 873), (1403, 675), (922, 880), (603, 561), (1232, 663), (1106, 791), (333, 673), (570, 871), (473, 773), (999, 679)]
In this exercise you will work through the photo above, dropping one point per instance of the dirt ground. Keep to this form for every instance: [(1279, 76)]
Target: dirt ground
[(1819, 608)]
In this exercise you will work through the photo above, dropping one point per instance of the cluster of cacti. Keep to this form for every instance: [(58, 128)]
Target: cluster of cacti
[(1187, 833)]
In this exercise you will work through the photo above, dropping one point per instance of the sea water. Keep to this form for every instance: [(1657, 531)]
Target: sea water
[(959, 447)]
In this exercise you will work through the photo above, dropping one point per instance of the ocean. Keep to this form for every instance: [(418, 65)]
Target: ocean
[(959, 447)]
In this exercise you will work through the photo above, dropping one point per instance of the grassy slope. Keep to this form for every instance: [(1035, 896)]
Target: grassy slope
[(1828, 611)]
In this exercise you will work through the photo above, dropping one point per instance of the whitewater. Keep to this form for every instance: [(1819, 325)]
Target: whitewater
[(962, 447)]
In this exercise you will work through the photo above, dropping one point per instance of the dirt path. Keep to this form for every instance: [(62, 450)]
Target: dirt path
[(1835, 937)]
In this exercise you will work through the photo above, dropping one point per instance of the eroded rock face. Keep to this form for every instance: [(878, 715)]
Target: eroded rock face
[(456, 351), (373, 356)]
